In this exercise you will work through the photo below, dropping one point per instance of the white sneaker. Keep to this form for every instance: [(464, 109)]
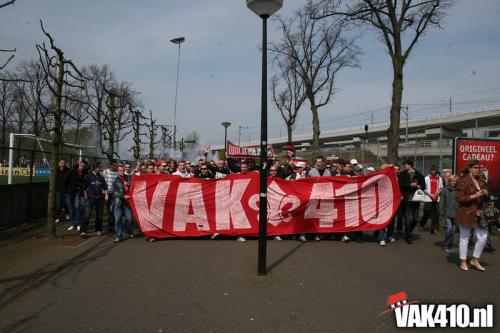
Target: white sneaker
[(392, 239), (302, 238), (57, 221), (98, 233), (317, 239), (214, 236), (278, 238), (345, 239), (67, 217), (382, 243), (78, 228), (71, 228), (241, 239), (117, 240), (83, 233)]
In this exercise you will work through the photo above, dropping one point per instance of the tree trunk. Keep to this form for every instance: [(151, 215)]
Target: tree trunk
[(4, 128), (289, 132), (56, 142), (315, 123), (397, 96)]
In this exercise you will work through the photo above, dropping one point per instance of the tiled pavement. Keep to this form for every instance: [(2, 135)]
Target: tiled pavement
[(198, 285)]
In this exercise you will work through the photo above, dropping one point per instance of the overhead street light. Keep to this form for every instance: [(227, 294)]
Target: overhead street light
[(177, 41), (264, 9)]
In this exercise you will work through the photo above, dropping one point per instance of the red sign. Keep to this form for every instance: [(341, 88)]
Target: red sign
[(169, 206), (237, 151), (486, 151)]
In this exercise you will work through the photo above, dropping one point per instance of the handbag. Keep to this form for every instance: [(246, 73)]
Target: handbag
[(418, 196), (487, 216)]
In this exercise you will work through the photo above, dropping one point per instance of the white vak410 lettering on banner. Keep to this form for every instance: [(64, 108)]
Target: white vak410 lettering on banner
[(170, 206)]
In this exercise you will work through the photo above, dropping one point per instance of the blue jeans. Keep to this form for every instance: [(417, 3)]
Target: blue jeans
[(411, 216), (449, 231), (60, 203), (123, 210), (76, 205), (387, 232)]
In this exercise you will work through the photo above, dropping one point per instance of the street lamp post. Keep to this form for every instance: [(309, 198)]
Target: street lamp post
[(264, 9), (226, 124), (177, 41), (239, 133)]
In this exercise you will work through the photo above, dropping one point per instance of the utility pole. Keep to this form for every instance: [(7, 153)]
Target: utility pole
[(239, 133), (450, 106)]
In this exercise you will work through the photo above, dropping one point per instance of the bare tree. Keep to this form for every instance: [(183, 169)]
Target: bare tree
[(400, 24), (152, 131), (320, 49), (56, 66), (6, 103), (98, 80), (288, 93), (9, 51), (166, 137), (33, 88), (137, 125), (116, 118)]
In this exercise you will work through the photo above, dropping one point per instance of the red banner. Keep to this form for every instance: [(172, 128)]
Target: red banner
[(247, 152), (169, 206), (486, 151)]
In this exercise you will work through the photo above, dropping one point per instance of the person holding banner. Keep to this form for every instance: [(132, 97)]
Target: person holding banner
[(410, 180), (471, 192), (319, 170), (121, 194)]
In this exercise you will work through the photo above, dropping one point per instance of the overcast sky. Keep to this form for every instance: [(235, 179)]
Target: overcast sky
[(220, 60)]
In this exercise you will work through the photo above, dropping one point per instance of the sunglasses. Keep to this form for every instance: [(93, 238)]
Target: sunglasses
[(273, 170), (203, 169)]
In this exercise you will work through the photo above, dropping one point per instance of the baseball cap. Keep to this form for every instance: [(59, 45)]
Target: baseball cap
[(354, 161), (300, 165)]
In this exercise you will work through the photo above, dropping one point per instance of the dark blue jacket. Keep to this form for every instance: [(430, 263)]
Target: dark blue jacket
[(95, 185)]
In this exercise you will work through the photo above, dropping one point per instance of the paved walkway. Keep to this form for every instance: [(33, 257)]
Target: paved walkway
[(212, 286)]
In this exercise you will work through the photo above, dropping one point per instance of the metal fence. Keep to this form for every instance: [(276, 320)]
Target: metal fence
[(32, 165)]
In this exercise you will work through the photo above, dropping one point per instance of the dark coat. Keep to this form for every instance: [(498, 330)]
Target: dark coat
[(405, 181), (467, 208)]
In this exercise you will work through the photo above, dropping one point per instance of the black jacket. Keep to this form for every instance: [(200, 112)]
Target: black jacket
[(61, 179), (405, 181), (74, 181)]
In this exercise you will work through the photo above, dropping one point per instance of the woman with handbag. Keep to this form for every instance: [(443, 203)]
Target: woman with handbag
[(470, 193)]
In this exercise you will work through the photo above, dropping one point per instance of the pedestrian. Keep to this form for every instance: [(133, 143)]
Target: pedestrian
[(244, 171), (433, 187), (274, 174), (182, 170), (204, 172), (299, 171), (221, 171), (410, 180), (386, 234), (448, 206), (110, 175), (75, 199), (470, 192), (319, 170), (121, 193), (96, 195), (61, 189)]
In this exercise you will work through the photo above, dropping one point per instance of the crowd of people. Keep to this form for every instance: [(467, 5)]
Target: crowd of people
[(453, 198)]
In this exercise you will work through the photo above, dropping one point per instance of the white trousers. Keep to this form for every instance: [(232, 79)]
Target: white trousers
[(481, 237)]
